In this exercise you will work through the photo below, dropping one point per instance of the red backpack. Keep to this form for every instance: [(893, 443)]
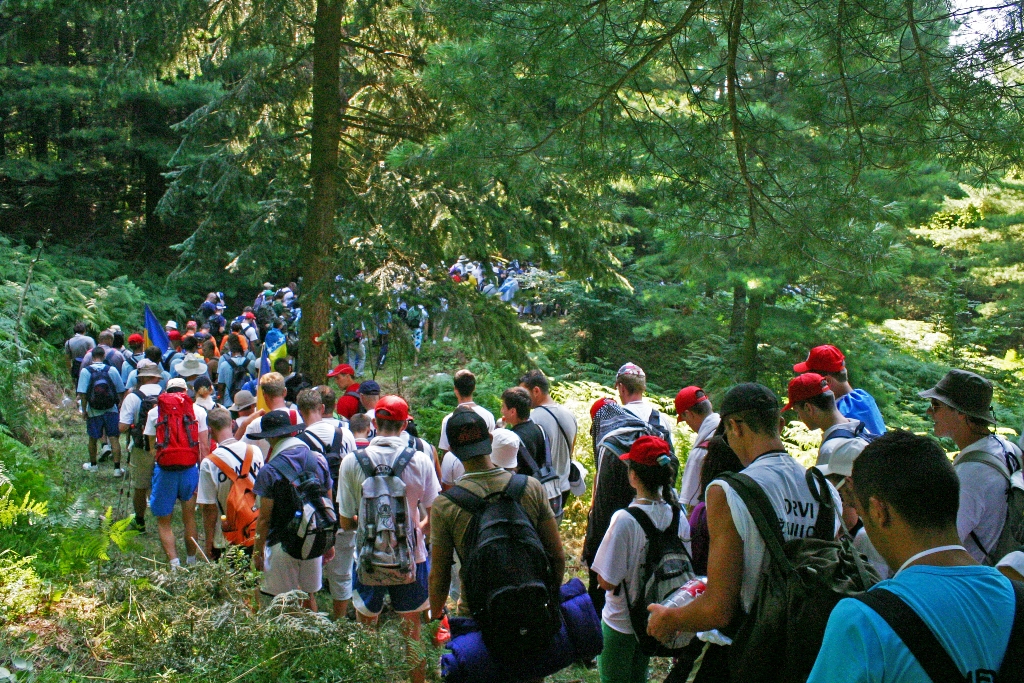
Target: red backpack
[(177, 432)]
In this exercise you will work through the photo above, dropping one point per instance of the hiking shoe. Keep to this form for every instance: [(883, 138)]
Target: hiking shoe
[(118, 472), (89, 467), (104, 453), (139, 526)]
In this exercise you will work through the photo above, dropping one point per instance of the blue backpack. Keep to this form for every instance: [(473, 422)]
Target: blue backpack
[(858, 433), (101, 393)]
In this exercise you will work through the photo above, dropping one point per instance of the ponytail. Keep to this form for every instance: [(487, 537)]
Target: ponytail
[(657, 479)]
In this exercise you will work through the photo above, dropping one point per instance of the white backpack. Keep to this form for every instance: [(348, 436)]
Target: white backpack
[(384, 540)]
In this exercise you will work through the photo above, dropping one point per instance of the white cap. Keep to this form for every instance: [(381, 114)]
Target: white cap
[(504, 447), (177, 383), (841, 460), (171, 324)]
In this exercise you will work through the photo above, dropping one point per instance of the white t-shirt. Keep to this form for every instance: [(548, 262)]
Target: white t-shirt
[(783, 480), (451, 469), (214, 485), (442, 444), (325, 430), (550, 417), (983, 494), (689, 486), (830, 446), (150, 429), (256, 426), (421, 485), (131, 403), (207, 403), (622, 550), (643, 409)]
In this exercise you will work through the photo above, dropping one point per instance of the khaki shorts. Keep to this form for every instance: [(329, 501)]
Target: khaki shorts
[(283, 573), (141, 467)]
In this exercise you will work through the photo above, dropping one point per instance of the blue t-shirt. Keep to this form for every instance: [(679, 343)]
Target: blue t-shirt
[(86, 375), (226, 373), (970, 610), (859, 405)]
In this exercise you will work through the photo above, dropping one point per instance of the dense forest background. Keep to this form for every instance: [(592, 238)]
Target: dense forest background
[(709, 187)]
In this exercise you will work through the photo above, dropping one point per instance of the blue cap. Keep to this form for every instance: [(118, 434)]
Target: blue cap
[(369, 387)]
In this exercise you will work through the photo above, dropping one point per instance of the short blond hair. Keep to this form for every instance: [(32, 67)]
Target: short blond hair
[(272, 384)]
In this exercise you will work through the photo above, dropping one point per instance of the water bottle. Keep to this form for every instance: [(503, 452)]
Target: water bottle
[(683, 596)]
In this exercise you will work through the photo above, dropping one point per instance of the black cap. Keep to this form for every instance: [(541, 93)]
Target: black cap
[(277, 423), (748, 396), (467, 434), (965, 392), (369, 387)]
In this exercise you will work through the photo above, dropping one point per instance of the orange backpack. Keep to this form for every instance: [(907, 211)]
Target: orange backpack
[(239, 521)]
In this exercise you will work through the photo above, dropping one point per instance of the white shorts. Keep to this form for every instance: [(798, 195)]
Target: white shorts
[(283, 573)]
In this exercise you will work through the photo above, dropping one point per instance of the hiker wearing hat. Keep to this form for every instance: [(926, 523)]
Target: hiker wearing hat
[(815, 405), (282, 572), (153, 354), (132, 421), (961, 408), (830, 363), (388, 458), (369, 395), (941, 614), (694, 408), (349, 402), (750, 423), (631, 383), (132, 357)]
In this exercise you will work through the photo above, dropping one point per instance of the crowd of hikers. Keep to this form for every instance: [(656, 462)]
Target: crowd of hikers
[(885, 561)]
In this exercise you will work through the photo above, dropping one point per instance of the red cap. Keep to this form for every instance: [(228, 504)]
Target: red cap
[(174, 335), (598, 404), (825, 358), (135, 339), (647, 451), (249, 315), (342, 369), (392, 408), (805, 386), (687, 398)]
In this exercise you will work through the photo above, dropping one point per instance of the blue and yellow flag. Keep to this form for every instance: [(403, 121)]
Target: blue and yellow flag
[(153, 333), (261, 402)]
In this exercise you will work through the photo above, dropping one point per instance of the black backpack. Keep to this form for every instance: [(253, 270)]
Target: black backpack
[(239, 374), (146, 404), (510, 586), (801, 581), (331, 453), (165, 359), (294, 385), (312, 530), (101, 393), (666, 567)]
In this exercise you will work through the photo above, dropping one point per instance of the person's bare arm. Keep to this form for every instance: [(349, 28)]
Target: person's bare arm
[(347, 523), (262, 529), (716, 607), (240, 432), (440, 578), (204, 444), (552, 541), (209, 526)]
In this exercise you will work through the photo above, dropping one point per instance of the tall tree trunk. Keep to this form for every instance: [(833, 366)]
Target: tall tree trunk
[(739, 313), (153, 187), (749, 361), (319, 235)]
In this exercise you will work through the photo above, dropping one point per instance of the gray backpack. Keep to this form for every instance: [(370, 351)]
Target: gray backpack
[(384, 541), (1011, 538)]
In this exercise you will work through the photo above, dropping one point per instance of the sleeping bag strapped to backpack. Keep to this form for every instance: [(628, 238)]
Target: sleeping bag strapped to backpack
[(510, 585), (101, 394), (384, 541), (177, 432), (312, 530)]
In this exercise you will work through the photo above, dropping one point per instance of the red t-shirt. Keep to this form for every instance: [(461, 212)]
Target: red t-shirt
[(348, 406)]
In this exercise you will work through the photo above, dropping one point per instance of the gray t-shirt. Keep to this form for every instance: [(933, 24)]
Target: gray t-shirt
[(78, 346), (550, 417)]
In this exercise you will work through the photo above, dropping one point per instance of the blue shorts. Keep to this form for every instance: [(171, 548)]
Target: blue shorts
[(170, 486), (407, 597), (103, 424)]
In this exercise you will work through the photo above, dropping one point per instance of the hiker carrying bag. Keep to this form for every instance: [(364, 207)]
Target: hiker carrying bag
[(146, 404), (238, 523), (384, 540), (177, 432), (666, 567), (101, 393), (239, 374), (859, 433), (801, 581), (312, 529), (331, 453), (930, 653), (1011, 537), (510, 586)]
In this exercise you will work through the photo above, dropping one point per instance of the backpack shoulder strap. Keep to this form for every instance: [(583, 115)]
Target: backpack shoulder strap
[(914, 633), (559, 423), (655, 418), (516, 486), (1013, 660), (825, 523), (644, 520), (247, 463), (302, 435), (287, 470), (467, 500), (364, 463), (986, 459), (762, 512), (402, 462), (228, 471), (840, 434)]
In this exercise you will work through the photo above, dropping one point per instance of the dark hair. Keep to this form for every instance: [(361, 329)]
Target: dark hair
[(327, 396), (702, 408), (465, 383), (202, 381), (136, 345), (360, 422), (236, 326), (80, 327), (911, 474), (190, 344), (825, 402), (389, 427), (518, 400), (99, 353), (118, 339), (655, 478), (720, 458), (153, 353), (234, 344), (282, 365), (535, 379), (760, 420)]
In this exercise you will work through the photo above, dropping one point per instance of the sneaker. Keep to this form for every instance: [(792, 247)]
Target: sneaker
[(104, 453), (89, 467), (118, 472)]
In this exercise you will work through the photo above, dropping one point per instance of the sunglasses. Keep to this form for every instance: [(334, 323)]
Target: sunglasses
[(936, 405)]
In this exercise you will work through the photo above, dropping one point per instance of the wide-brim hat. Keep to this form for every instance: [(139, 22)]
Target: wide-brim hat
[(242, 400), (277, 423), (965, 392), (147, 368), (193, 365)]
